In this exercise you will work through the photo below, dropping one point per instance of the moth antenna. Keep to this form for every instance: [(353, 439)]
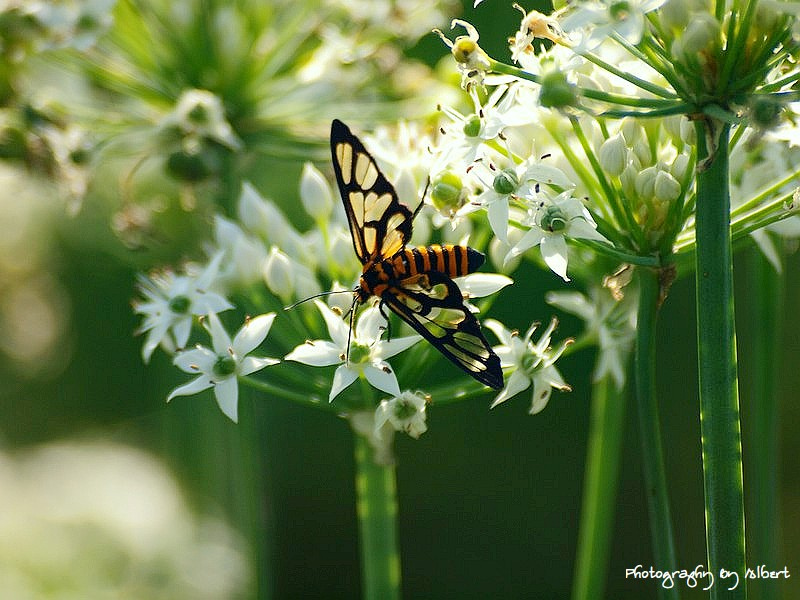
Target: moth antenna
[(291, 306)]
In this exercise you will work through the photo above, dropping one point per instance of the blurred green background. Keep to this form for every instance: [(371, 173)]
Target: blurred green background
[(489, 501)]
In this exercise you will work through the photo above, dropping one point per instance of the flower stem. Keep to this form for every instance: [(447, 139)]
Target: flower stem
[(716, 349), (649, 427), (766, 304), (606, 426), (376, 508)]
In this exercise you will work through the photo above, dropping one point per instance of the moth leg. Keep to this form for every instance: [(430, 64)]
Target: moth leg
[(352, 313), (388, 326)]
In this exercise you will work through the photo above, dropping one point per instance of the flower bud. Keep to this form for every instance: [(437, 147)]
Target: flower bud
[(315, 193), (447, 192), (701, 34), (278, 274), (765, 113), (556, 91), (679, 166), (645, 182), (675, 14), (613, 155), (631, 130), (641, 148), (666, 188), (505, 182), (628, 180)]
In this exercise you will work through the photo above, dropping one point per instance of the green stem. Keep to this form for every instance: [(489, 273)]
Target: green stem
[(767, 299), (376, 507), (716, 349), (606, 426), (649, 427)]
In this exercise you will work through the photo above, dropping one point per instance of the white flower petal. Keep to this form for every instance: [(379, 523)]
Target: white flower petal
[(500, 330), (251, 364), (199, 359), (397, 345), (518, 382), (337, 328), (479, 285), (154, 337), (220, 340), (342, 378), (252, 334), (196, 385), (540, 396), (227, 393), (533, 237), (317, 353), (181, 330), (498, 218), (381, 379), (370, 325), (554, 253)]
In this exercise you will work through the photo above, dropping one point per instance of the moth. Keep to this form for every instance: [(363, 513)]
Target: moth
[(416, 283)]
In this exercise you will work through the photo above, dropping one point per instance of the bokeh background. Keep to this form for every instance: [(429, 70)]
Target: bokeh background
[(108, 492)]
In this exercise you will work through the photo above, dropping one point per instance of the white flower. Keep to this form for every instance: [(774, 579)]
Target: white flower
[(509, 183), (551, 222), (170, 303), (463, 139), (601, 19), (405, 412), (609, 322), (200, 113), (367, 351), (532, 364), (219, 367)]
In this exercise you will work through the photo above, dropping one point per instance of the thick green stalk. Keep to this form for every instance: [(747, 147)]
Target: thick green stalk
[(766, 304), (607, 423), (376, 508), (650, 428), (716, 350)]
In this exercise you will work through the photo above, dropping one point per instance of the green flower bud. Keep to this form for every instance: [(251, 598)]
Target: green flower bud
[(556, 91), (613, 155), (765, 112), (447, 192), (505, 182), (189, 166)]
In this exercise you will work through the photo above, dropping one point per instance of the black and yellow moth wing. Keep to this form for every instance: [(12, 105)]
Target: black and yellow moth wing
[(379, 224), (432, 304)]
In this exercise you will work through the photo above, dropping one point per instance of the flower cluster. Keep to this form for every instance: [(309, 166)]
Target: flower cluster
[(259, 262)]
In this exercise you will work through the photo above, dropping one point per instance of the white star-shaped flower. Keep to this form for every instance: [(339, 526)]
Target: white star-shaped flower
[(405, 412), (551, 222), (171, 301), (367, 351), (533, 364), (221, 365), (610, 323)]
